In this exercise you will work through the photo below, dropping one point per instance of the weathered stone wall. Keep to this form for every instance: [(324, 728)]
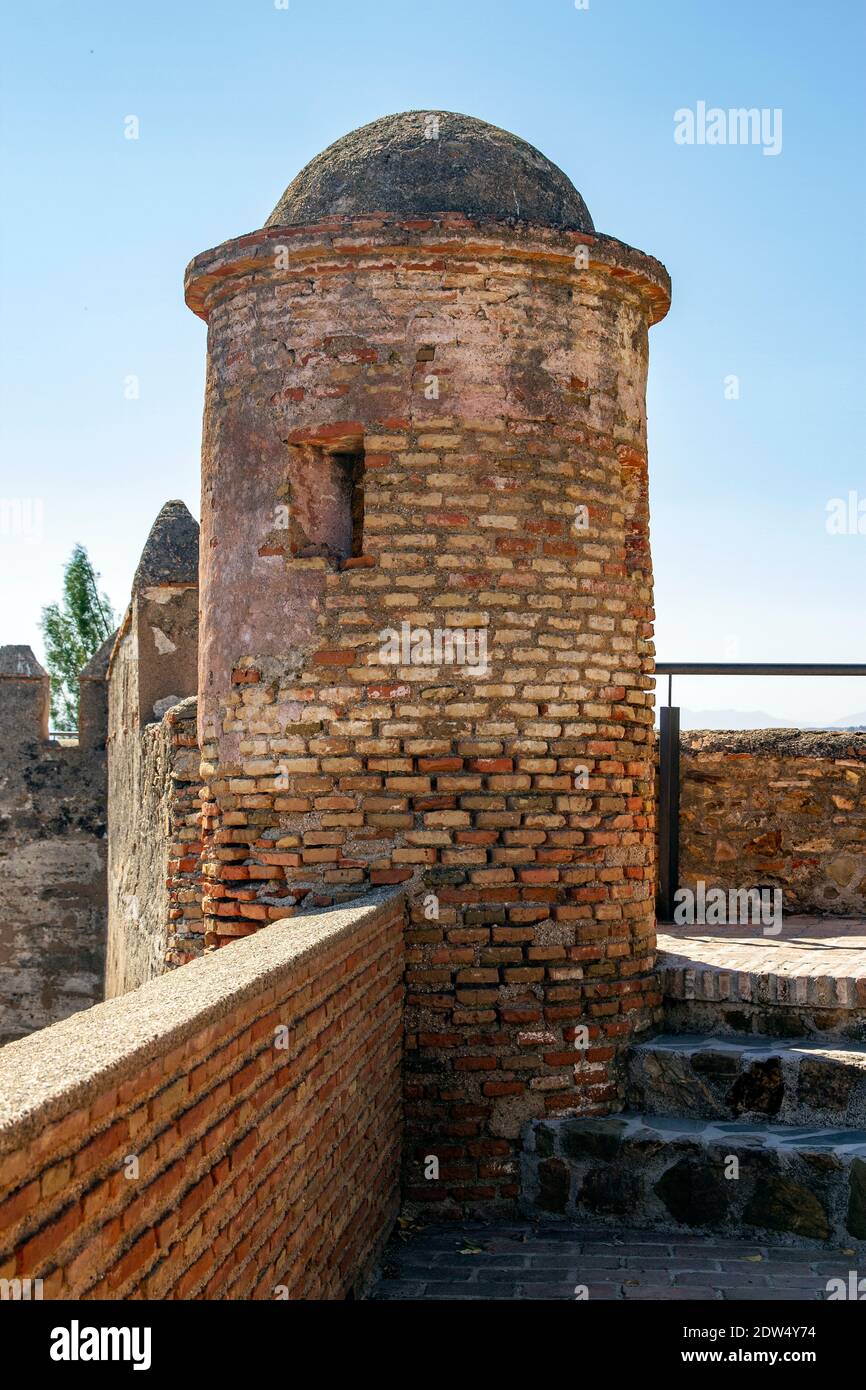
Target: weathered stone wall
[(185, 932), (137, 900), (224, 1130), (154, 913), (328, 769), (776, 808), (154, 846), (52, 885), (52, 858)]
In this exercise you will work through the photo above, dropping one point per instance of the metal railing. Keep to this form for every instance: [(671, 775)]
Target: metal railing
[(669, 751)]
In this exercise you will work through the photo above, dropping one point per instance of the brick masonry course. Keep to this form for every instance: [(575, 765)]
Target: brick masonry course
[(436, 423), (230, 1130), (809, 978)]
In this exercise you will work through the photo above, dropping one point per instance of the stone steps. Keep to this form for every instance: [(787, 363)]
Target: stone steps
[(804, 1185), (791, 1082), (746, 1118)]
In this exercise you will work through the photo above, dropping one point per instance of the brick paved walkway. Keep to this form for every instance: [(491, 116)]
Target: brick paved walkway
[(524, 1261), (813, 960)]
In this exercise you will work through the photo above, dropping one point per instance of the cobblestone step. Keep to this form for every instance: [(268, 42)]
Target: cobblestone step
[(802, 1185), (798, 1082)]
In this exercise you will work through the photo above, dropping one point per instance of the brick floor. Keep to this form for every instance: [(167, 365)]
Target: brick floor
[(528, 1261), (813, 960)]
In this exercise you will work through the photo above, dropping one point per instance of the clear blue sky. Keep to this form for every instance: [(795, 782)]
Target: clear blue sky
[(234, 96)]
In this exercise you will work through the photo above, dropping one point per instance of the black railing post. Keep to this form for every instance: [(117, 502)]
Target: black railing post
[(669, 811), (669, 751)]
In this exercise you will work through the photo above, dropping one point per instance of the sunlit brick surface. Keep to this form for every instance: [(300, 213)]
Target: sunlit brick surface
[(515, 805), (229, 1130), (778, 807), (809, 960)]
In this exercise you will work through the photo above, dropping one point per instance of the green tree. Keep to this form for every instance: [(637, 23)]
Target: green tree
[(72, 631)]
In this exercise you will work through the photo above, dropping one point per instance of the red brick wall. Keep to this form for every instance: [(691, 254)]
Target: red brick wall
[(259, 1167)]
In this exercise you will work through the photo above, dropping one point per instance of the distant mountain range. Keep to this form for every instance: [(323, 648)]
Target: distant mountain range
[(855, 721), (758, 719)]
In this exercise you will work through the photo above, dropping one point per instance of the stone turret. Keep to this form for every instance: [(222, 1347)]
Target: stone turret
[(93, 697), (164, 611), (426, 645), (25, 697)]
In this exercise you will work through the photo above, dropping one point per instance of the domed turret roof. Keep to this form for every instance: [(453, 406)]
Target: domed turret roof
[(419, 163)]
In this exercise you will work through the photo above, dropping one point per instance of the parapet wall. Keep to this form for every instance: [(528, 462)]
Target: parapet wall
[(52, 852), (228, 1131), (154, 805), (776, 808), (154, 849)]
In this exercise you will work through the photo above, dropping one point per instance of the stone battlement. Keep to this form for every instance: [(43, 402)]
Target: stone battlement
[(779, 808), (52, 841)]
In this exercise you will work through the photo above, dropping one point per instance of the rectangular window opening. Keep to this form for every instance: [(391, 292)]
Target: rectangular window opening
[(327, 503)]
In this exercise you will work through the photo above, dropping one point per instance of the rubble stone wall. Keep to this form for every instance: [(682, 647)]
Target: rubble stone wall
[(154, 848), (154, 897), (776, 808), (52, 860), (52, 884)]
